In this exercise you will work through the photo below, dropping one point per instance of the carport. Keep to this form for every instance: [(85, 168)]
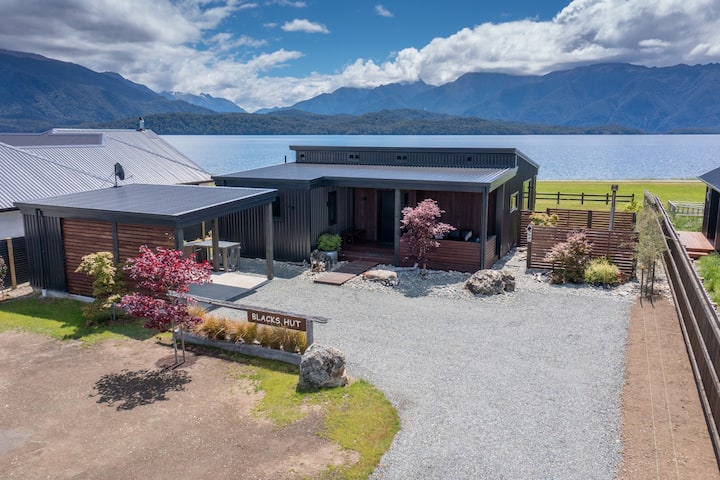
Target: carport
[(61, 230)]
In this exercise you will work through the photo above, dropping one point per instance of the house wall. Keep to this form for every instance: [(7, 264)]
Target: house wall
[(711, 217), (82, 237), (319, 223), (291, 230)]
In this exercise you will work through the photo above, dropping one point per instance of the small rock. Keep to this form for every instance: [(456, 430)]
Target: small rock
[(322, 367), (386, 277), (490, 282)]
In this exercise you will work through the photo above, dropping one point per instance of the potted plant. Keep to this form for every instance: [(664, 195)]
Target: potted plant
[(330, 244)]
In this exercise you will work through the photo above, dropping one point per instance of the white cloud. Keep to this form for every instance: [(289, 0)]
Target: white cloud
[(304, 25), (383, 12), (176, 45)]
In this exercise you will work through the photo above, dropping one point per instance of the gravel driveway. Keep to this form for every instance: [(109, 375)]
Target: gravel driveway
[(517, 386)]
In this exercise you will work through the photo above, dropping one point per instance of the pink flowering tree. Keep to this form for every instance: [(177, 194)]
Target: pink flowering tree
[(163, 278), (422, 228)]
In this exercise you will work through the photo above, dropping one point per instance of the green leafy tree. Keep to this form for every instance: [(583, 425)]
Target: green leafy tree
[(650, 247), (107, 286)]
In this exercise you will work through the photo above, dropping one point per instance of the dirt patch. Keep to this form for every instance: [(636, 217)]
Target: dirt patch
[(663, 428), (109, 411)]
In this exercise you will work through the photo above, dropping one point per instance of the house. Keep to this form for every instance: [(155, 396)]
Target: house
[(62, 161), (60, 230), (359, 192), (711, 213)]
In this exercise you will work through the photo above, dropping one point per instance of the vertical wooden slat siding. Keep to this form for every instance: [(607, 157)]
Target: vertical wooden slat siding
[(453, 255), (81, 238)]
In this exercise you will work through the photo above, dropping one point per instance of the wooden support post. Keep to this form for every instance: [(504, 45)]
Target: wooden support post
[(396, 228), (11, 266), (215, 245), (269, 242), (484, 227)]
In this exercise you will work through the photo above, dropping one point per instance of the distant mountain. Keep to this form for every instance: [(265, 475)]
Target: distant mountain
[(205, 100), (37, 93), (384, 122), (681, 98)]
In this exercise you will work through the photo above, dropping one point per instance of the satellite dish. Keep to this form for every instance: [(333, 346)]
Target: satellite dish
[(119, 173)]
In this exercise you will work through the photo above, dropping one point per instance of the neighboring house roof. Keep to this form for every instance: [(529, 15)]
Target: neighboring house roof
[(309, 175), (177, 205), (145, 157), (712, 179), (26, 176)]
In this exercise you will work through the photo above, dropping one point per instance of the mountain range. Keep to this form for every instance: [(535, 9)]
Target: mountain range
[(38, 93)]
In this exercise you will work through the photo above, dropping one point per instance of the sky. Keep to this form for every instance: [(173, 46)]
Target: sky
[(270, 53)]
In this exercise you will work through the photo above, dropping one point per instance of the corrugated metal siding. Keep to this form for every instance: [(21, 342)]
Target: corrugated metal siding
[(319, 212), (417, 158), (46, 254), (291, 231)]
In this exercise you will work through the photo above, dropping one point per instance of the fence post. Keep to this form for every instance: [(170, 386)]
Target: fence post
[(11, 258), (582, 198), (589, 219), (558, 198)]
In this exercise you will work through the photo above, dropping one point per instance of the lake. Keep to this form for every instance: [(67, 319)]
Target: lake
[(561, 157)]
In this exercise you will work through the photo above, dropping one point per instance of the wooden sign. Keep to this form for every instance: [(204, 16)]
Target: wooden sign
[(274, 319)]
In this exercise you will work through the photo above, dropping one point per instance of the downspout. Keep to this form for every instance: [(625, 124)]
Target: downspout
[(396, 228)]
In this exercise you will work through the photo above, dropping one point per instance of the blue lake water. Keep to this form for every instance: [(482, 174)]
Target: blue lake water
[(561, 157)]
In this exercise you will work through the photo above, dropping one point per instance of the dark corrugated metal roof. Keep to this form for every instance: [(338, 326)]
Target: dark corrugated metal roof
[(307, 175), (151, 204), (712, 178)]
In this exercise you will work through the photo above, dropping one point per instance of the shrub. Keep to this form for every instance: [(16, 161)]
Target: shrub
[(3, 272), (569, 259), (633, 206), (264, 336), (107, 286), (601, 271), (328, 242), (541, 218), (709, 268), (213, 328), (422, 228)]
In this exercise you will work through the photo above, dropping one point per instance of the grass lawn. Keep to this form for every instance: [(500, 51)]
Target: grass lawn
[(678, 190), (357, 417), (62, 319)]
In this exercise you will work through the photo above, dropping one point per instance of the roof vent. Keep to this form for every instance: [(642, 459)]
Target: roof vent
[(141, 125)]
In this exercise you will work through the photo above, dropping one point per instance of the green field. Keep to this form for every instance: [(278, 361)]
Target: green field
[(675, 190)]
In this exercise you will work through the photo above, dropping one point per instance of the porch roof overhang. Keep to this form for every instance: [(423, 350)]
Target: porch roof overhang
[(712, 179), (162, 205), (309, 175)]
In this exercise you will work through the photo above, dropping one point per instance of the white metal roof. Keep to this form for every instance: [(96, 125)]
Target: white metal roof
[(64, 161)]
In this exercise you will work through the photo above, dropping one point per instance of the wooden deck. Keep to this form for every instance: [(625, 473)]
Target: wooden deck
[(696, 244), (345, 272)]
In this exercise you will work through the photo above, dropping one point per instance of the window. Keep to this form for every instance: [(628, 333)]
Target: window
[(276, 208), (514, 201), (332, 208)]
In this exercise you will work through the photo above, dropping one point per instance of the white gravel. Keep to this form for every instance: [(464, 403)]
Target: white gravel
[(523, 385)]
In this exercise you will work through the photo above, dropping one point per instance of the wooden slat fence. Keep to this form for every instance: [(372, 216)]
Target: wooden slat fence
[(594, 219), (698, 321), (617, 245), (14, 252)]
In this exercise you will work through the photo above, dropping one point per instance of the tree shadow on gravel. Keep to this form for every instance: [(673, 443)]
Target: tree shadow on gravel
[(142, 387)]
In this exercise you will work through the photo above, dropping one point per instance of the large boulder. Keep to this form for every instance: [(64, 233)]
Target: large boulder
[(322, 367), (386, 277), (490, 282), (320, 261)]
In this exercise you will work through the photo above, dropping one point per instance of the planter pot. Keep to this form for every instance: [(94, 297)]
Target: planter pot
[(333, 256)]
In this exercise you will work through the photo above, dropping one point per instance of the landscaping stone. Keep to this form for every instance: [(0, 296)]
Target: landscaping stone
[(490, 282), (322, 367), (320, 261), (386, 277)]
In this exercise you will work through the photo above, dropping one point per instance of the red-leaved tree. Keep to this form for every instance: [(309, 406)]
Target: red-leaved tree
[(157, 274), (421, 228)]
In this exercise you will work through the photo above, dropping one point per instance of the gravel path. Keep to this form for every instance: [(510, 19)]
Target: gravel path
[(524, 385)]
